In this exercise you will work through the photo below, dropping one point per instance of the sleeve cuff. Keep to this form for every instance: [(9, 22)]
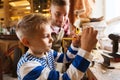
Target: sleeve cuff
[(85, 54), (74, 48)]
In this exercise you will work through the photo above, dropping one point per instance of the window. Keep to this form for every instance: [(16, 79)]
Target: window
[(112, 14), (112, 9)]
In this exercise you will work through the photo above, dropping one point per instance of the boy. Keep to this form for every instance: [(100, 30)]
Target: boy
[(60, 22), (59, 15), (38, 62)]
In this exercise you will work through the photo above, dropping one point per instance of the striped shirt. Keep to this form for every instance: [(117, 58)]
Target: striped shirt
[(31, 67)]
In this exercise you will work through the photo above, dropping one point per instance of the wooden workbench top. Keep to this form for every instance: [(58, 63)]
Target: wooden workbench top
[(99, 72)]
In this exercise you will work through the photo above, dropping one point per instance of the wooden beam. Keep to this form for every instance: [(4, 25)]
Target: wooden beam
[(20, 7), (6, 12)]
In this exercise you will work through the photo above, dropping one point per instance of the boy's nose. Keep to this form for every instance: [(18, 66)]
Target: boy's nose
[(51, 39)]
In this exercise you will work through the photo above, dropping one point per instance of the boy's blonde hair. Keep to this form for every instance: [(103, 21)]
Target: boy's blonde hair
[(30, 24)]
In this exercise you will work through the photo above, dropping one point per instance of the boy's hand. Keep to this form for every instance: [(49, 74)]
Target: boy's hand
[(88, 39), (76, 40)]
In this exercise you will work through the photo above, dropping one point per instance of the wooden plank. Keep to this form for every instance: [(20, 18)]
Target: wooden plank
[(1, 75)]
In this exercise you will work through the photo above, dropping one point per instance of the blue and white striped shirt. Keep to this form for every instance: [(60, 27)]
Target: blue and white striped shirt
[(31, 67)]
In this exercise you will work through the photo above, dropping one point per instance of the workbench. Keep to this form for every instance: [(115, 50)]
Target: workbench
[(99, 72)]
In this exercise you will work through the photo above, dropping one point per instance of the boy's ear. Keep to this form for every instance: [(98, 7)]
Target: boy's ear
[(25, 42)]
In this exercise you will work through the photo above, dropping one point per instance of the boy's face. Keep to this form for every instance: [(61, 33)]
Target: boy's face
[(42, 40), (59, 15)]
